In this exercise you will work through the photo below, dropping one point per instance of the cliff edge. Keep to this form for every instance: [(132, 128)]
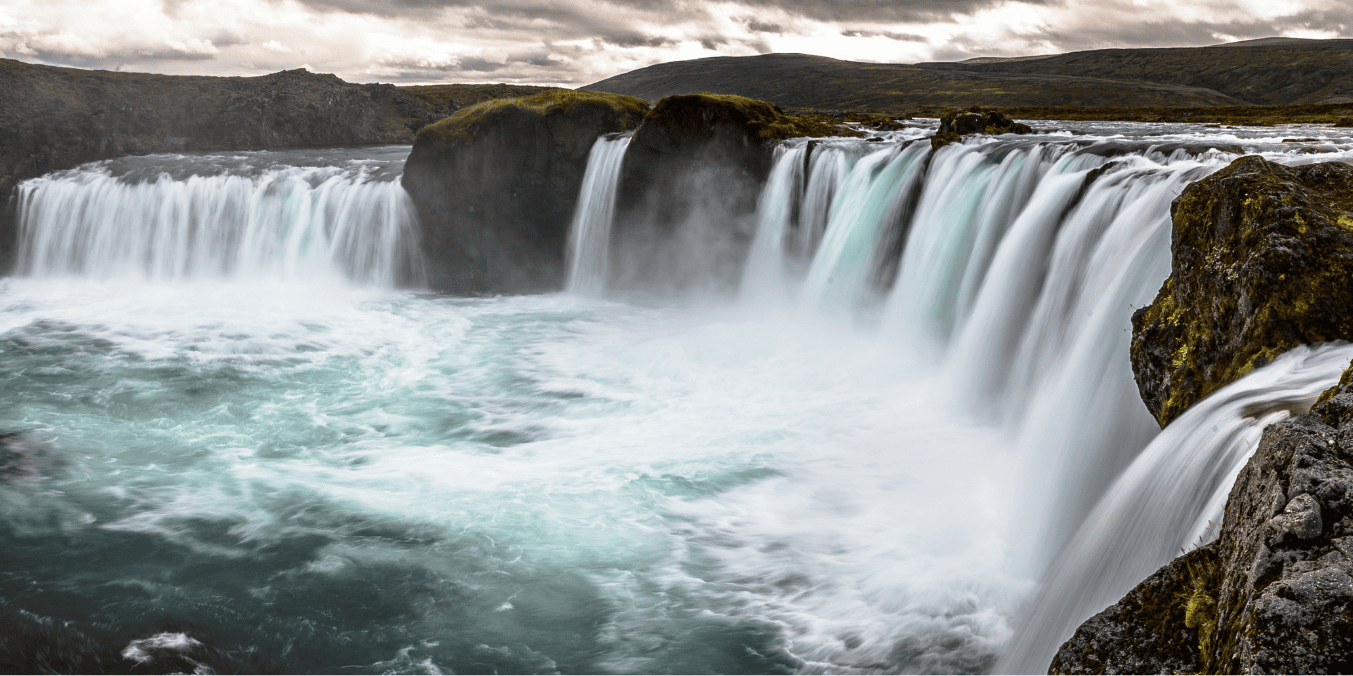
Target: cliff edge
[(1261, 259)]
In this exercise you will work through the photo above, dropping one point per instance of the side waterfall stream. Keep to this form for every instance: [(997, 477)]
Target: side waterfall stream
[(910, 443)]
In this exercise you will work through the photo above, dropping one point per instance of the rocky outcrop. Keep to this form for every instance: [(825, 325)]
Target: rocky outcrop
[(495, 186), (1148, 632), (688, 190), (1261, 258), (1274, 592), (955, 125)]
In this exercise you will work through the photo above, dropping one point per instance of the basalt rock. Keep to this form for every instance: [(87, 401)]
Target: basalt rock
[(958, 124), (1274, 592), (688, 190), (1149, 631), (1261, 259), (496, 183)]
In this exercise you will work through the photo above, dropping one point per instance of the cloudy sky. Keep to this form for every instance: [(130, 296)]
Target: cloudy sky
[(575, 42)]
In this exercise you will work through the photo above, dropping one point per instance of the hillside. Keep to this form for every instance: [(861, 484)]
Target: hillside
[(804, 81), (1267, 71)]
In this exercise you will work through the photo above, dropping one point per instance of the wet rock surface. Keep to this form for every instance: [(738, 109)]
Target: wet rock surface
[(1145, 633), (688, 190), (495, 186), (1261, 257), (955, 125), (1273, 593)]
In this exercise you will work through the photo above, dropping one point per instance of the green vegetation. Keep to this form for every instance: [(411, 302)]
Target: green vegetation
[(462, 127), (764, 121), (1344, 379), (455, 96)]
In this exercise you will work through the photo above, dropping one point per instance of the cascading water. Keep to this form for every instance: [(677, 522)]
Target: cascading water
[(590, 234), (1172, 495), (262, 470), (170, 218)]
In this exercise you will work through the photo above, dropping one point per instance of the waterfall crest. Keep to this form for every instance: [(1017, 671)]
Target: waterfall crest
[(171, 218), (589, 236)]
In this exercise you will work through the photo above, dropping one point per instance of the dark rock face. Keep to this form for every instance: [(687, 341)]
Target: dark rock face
[(954, 126), (1261, 261), (688, 191), (495, 186), (1274, 592), (1148, 632)]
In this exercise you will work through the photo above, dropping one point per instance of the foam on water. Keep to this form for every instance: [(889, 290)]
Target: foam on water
[(305, 470)]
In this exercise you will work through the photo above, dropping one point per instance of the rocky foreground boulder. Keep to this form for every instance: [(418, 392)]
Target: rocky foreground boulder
[(1261, 259), (1273, 593), (496, 183)]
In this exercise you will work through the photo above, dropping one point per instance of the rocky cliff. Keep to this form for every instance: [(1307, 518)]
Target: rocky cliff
[(1261, 258), (495, 186), (1261, 263)]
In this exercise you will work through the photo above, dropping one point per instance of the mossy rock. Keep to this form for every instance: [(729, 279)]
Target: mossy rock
[(1157, 628), (496, 183), (958, 123), (464, 126), (1262, 257)]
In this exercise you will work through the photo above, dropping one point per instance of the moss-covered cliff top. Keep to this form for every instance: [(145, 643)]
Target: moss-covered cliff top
[(763, 121), (461, 128)]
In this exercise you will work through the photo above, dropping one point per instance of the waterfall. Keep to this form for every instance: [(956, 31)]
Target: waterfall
[(1020, 265), (589, 236), (170, 218), (1166, 499)]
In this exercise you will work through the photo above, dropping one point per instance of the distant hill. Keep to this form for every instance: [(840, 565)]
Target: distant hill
[(1265, 71), (804, 81)]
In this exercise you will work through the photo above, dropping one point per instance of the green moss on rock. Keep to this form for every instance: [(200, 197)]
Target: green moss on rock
[(1155, 629), (1261, 261), (463, 127)]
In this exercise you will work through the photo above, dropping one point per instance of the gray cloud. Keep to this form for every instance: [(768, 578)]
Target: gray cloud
[(900, 37), (758, 27)]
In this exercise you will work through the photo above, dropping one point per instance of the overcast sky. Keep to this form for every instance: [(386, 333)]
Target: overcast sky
[(576, 42)]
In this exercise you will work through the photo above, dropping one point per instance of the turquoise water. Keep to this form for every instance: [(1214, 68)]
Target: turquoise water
[(320, 478), (230, 443)]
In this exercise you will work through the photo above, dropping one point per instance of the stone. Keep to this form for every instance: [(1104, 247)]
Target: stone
[(1261, 257), (496, 183)]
